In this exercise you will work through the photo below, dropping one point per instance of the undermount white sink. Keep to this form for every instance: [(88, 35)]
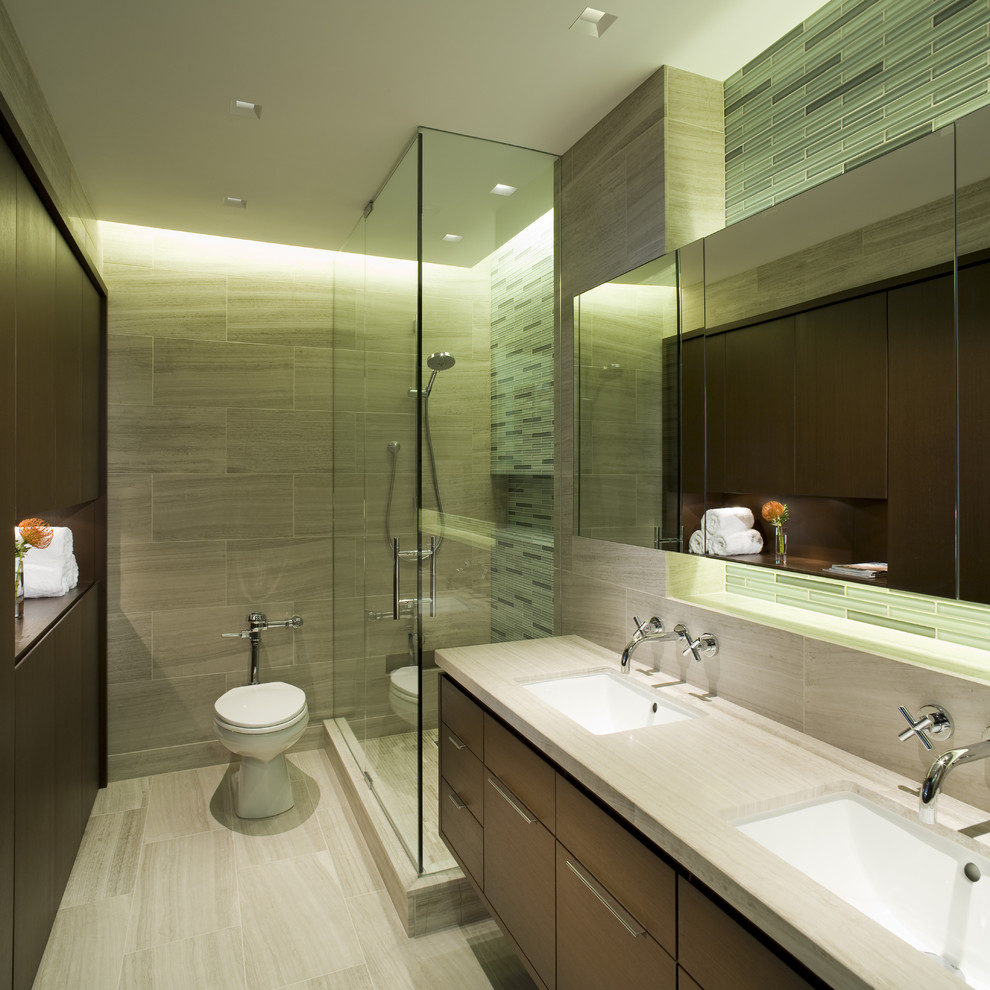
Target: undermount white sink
[(917, 883), (604, 702)]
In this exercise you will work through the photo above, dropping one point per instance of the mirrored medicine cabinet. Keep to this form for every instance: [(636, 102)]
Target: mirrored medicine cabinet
[(831, 352)]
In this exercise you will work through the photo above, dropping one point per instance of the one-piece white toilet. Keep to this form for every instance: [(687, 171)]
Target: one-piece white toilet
[(259, 722)]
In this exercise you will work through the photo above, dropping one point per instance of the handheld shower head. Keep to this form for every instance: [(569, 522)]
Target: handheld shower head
[(438, 361)]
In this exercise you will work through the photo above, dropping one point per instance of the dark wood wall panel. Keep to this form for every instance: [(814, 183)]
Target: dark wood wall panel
[(974, 433), (8, 219), (921, 461), (841, 399), (91, 363), (66, 367), (759, 407), (35, 386)]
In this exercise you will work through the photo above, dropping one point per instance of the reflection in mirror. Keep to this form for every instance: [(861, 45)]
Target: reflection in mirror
[(827, 374), (627, 408)]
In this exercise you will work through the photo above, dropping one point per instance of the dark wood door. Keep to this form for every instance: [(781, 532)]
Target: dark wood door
[(840, 399), (759, 408), (921, 447)]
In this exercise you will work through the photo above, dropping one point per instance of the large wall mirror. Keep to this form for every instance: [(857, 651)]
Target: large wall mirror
[(823, 365)]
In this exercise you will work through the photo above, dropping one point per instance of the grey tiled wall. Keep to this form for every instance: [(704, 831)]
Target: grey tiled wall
[(857, 78)]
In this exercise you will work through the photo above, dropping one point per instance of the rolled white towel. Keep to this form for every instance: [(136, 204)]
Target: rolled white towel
[(50, 579), (730, 519), (736, 544), (59, 549), (696, 543)]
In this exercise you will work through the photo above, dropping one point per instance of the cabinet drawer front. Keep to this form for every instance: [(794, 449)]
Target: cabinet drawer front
[(741, 962), (463, 771), (521, 769), (599, 944), (463, 715), (519, 877), (631, 871), (462, 833)]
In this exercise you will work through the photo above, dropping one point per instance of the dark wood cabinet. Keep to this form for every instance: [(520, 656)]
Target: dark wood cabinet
[(759, 408), (840, 399), (974, 433), (57, 774), (587, 902), (921, 453)]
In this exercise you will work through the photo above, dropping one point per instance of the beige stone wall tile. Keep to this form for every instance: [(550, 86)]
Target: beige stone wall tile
[(171, 575), (166, 712), (290, 312), (222, 506), (288, 442), (189, 641), (167, 304), (313, 505), (314, 378), (211, 373), (129, 369), (141, 763), (129, 646), (129, 509), (296, 570), (153, 439), (124, 244), (312, 643)]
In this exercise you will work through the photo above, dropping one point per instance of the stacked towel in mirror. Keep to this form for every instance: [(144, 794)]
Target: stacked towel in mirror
[(51, 572), (729, 532)]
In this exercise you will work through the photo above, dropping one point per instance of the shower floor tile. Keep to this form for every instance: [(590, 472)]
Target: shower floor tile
[(199, 898)]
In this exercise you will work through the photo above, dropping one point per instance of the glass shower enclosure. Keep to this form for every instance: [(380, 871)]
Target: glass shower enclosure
[(443, 448)]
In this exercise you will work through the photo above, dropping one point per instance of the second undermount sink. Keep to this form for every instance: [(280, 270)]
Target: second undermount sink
[(928, 890), (603, 702)]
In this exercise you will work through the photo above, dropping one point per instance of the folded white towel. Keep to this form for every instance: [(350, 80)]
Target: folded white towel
[(696, 543), (736, 544), (730, 519), (50, 579)]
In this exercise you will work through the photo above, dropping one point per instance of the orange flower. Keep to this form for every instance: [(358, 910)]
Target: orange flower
[(774, 513), (36, 532)]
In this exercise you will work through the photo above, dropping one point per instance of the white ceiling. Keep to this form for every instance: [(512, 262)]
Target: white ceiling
[(140, 91)]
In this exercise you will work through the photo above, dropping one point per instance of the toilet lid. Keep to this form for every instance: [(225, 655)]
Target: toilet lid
[(406, 680), (256, 705)]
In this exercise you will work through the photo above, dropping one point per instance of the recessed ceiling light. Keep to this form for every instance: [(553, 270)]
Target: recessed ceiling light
[(452, 238), (240, 204), (503, 190), (593, 22), (241, 108)]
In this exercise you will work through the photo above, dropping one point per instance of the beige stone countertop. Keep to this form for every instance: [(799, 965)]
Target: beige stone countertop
[(681, 785)]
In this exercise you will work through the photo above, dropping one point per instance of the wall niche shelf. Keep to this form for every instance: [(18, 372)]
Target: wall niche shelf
[(40, 615), (804, 565)]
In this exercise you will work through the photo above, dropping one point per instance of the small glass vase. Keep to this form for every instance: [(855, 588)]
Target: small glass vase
[(780, 545), (18, 587)]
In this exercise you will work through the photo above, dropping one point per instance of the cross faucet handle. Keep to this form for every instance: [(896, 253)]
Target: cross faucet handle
[(934, 719)]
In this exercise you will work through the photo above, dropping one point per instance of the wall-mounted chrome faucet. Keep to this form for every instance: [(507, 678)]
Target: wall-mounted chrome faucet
[(653, 631), (257, 623), (936, 721)]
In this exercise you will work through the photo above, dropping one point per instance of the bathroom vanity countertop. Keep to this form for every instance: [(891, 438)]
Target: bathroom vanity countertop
[(682, 784)]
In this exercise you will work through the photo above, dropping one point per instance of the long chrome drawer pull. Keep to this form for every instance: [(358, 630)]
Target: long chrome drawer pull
[(456, 801), (621, 915), (527, 816), (457, 742)]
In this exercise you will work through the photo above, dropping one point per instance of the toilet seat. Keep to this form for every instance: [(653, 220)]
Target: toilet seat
[(405, 682), (261, 707)]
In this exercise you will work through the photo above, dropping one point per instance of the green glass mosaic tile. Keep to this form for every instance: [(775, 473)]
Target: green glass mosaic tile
[(825, 609), (952, 112), (809, 584), (960, 31), (755, 577), (963, 610), (761, 595), (836, 598), (871, 608), (917, 603), (962, 59), (879, 620), (964, 639), (964, 77), (861, 592), (912, 116), (792, 598), (963, 98), (907, 20), (951, 12), (861, 142)]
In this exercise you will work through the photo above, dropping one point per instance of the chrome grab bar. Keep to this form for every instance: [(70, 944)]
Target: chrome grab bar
[(395, 578)]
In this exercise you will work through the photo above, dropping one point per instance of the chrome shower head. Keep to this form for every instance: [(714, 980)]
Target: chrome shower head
[(441, 360), (438, 361)]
